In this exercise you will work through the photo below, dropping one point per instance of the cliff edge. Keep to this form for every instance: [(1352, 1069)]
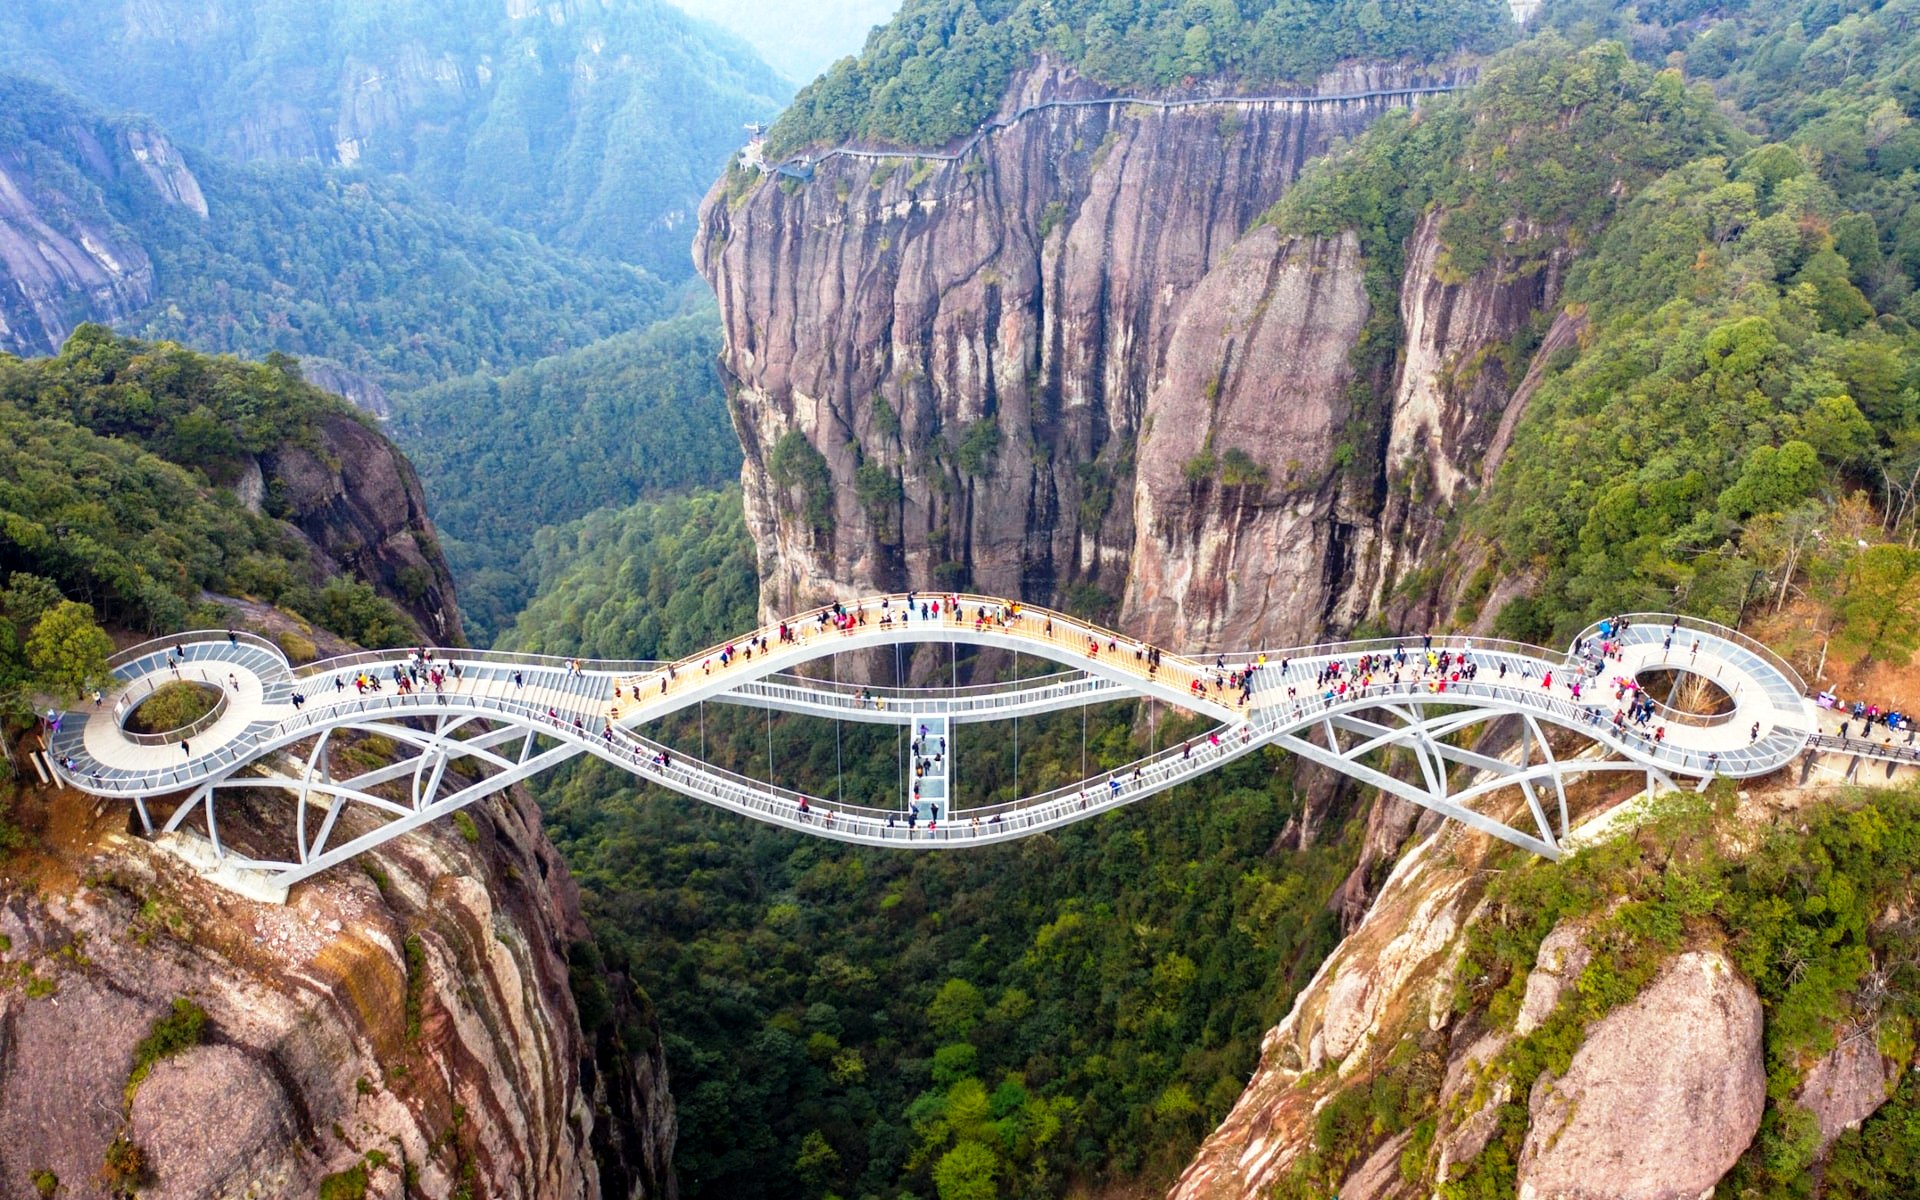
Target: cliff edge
[(404, 1021)]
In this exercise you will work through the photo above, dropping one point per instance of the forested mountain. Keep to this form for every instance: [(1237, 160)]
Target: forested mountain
[(594, 124), (108, 219), (1627, 321), (510, 457), (940, 67), (138, 476)]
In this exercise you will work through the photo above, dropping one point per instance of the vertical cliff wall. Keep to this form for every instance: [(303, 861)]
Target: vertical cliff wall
[(64, 259), (946, 373), (358, 502), (1074, 365), (1284, 492)]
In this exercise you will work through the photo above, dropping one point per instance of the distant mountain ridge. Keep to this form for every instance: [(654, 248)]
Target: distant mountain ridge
[(107, 219), (594, 124)]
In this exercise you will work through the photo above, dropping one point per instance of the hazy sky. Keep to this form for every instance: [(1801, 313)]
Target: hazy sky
[(798, 38)]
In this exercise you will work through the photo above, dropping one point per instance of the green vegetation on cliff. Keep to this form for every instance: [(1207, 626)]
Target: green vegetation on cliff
[(1538, 153), (1747, 352), (1735, 384), (940, 67), (1747, 388), (116, 460), (1807, 903)]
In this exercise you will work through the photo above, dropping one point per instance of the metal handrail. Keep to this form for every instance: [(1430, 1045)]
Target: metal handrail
[(191, 729), (1864, 748), (930, 700), (612, 666), (134, 653), (965, 691), (1715, 629)]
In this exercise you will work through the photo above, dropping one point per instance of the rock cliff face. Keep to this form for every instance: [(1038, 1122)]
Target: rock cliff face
[(358, 502), (985, 353), (408, 1015), (1075, 360), (63, 257), (1658, 1100)]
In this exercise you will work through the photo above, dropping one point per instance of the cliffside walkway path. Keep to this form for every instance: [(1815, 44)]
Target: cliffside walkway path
[(501, 718), (801, 166)]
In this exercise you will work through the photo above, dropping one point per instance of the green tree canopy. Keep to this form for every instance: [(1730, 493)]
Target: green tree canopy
[(1880, 608), (67, 651)]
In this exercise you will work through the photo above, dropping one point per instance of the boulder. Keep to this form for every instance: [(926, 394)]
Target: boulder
[(1662, 1098), (1847, 1086)]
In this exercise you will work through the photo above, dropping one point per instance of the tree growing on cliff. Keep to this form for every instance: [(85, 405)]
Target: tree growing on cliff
[(67, 652), (1880, 610)]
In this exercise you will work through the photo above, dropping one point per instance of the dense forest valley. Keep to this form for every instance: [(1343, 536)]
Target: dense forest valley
[(245, 244)]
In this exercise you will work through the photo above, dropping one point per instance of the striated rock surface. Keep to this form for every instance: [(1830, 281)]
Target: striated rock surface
[(64, 257), (1240, 526), (414, 1003), (1007, 338), (1076, 361), (1662, 1097), (1395, 971), (358, 502)]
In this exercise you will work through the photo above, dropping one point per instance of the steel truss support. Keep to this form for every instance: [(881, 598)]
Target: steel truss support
[(483, 736), (1410, 725), (425, 772)]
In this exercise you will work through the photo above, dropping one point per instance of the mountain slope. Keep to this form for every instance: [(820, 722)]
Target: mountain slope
[(104, 218), (592, 123), (139, 476), (506, 457)]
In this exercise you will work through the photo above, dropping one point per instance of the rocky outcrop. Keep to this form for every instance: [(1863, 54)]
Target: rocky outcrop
[(1391, 975), (1662, 1097), (64, 257), (1002, 362), (358, 502), (1847, 1085), (408, 1014), (355, 388)]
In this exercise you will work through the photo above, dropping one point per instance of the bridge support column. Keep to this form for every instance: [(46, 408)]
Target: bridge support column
[(930, 783)]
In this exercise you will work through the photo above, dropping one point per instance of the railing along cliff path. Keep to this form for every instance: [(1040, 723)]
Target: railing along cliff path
[(801, 166)]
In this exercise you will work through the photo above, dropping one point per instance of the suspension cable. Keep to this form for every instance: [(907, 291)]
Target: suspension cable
[(839, 773)]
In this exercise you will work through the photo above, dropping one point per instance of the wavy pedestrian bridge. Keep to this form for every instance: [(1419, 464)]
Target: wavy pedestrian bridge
[(474, 722)]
